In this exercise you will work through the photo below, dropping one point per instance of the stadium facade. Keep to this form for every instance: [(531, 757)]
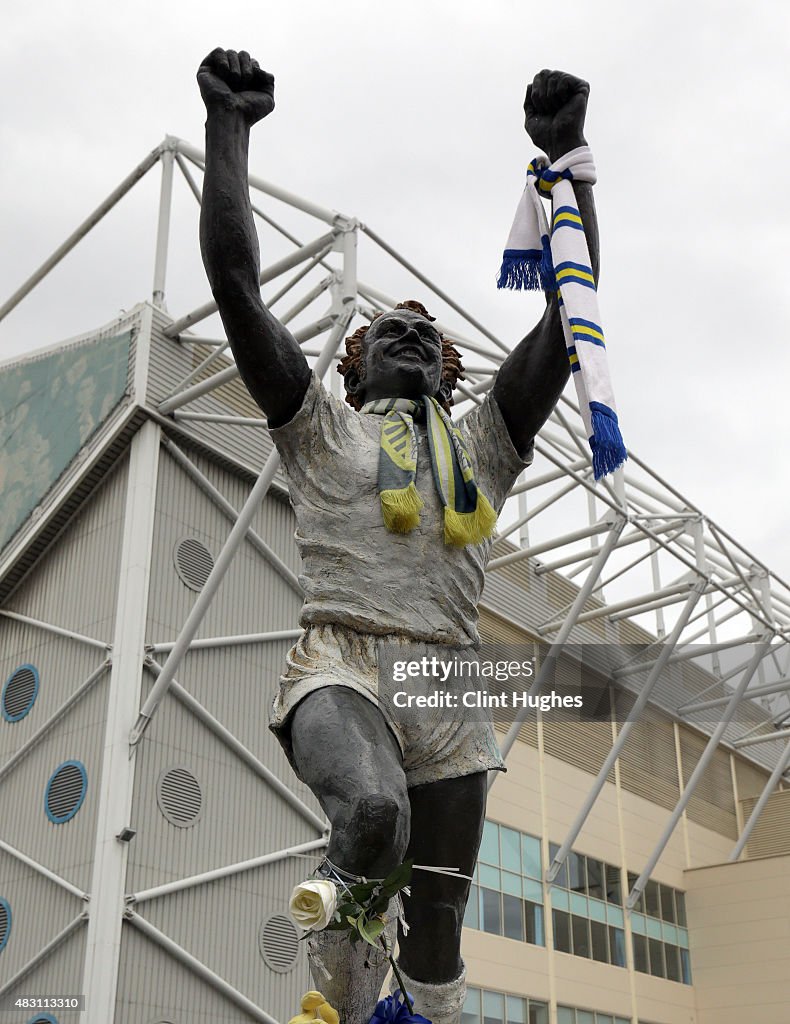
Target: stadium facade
[(634, 868)]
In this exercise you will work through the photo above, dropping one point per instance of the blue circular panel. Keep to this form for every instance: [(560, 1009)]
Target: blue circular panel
[(65, 791), (19, 693), (5, 922), (43, 1018)]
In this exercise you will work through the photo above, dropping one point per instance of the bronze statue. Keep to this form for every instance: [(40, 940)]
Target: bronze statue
[(388, 794)]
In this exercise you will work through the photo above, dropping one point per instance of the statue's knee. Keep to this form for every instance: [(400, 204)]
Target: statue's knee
[(380, 821)]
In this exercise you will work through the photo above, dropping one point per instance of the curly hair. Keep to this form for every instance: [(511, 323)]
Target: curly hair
[(354, 359)]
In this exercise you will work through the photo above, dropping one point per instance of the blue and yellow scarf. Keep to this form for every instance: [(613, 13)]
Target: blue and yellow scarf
[(468, 515)]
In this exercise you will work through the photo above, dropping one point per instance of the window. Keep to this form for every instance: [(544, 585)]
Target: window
[(483, 1007), (660, 940), (572, 1015), (506, 897), (586, 910)]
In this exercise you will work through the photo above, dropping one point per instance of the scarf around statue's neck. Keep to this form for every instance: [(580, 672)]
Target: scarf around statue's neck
[(468, 515), (558, 261)]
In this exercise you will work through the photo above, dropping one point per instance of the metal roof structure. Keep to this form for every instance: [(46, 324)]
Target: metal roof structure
[(641, 567)]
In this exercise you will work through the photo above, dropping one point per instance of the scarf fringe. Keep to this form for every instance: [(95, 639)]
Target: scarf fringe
[(608, 448), (462, 528), (527, 269), (401, 508)]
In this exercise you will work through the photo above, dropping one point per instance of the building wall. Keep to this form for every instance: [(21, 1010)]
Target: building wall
[(739, 917)]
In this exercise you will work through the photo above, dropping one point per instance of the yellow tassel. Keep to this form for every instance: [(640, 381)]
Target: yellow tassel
[(315, 1008), (462, 528), (401, 509)]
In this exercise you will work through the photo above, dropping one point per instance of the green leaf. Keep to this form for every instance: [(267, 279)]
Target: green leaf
[(380, 904), (370, 930), (361, 891), (397, 879)]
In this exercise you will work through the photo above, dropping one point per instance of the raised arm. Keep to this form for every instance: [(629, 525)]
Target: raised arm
[(531, 379), (237, 93)]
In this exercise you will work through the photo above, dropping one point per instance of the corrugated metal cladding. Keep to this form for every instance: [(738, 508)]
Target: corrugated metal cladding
[(648, 762), (712, 803), (62, 664), (241, 816), (170, 362), (60, 973), (153, 987), (771, 835), (40, 910), (75, 583), (220, 925), (67, 848)]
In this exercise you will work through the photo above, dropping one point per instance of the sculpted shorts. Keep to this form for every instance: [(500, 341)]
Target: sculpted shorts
[(435, 743)]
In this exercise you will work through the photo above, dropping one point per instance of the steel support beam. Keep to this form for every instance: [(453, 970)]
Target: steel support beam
[(780, 686), (131, 179), (53, 720), (30, 862), (538, 549), (752, 741), (70, 634), (320, 212), (210, 417), (115, 787), (233, 743), (237, 640), (684, 655), (225, 872), (639, 886), (43, 953), (163, 226), (632, 604), (231, 372), (322, 245), (227, 509), (435, 289)]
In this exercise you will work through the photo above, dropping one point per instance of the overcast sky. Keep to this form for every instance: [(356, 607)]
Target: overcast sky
[(409, 116)]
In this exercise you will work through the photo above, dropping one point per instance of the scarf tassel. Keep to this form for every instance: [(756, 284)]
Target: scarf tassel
[(528, 270), (608, 449), (461, 528), (401, 508)]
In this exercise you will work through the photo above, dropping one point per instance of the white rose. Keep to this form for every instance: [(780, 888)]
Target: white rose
[(313, 903)]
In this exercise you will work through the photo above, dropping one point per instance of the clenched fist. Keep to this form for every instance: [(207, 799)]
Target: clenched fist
[(555, 107), (231, 81)]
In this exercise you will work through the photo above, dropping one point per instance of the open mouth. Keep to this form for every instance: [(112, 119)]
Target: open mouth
[(410, 348)]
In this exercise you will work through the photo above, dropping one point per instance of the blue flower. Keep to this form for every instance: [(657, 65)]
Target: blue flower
[(392, 1011)]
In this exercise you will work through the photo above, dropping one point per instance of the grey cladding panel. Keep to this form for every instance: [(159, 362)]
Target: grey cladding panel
[(241, 817), (238, 909), (153, 987), (75, 583), (39, 909), (64, 848)]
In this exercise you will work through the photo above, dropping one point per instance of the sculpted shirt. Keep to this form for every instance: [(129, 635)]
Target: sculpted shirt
[(357, 573)]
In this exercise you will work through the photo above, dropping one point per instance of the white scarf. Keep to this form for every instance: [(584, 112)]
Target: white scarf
[(560, 262)]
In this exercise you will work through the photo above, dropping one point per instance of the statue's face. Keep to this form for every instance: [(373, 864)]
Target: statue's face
[(403, 357)]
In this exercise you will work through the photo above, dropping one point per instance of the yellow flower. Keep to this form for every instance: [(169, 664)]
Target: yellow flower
[(313, 903), (315, 1008)]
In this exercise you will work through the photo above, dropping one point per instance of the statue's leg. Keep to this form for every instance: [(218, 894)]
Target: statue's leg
[(446, 826), (345, 752)]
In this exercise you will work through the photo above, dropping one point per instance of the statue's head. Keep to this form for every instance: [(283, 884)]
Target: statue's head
[(400, 354)]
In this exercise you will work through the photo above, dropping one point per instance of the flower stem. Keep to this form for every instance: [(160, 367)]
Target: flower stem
[(398, 978)]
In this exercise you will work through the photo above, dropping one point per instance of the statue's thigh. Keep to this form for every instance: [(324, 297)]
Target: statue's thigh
[(344, 748)]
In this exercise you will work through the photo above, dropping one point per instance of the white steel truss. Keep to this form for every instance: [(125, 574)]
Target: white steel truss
[(676, 579)]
